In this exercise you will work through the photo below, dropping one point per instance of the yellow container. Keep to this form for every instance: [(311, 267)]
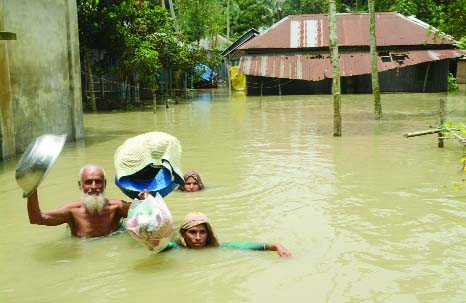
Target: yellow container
[(238, 81)]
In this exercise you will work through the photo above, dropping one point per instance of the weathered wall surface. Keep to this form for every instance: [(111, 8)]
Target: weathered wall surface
[(461, 72), (39, 72)]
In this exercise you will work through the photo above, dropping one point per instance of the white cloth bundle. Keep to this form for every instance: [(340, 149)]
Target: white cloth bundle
[(150, 222)]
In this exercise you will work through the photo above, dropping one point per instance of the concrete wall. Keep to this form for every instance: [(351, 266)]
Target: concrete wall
[(461, 72), (40, 85)]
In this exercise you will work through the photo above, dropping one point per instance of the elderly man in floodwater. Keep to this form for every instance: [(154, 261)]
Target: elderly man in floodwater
[(92, 216)]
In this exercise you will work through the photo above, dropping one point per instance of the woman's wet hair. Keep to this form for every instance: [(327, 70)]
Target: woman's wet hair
[(195, 176)]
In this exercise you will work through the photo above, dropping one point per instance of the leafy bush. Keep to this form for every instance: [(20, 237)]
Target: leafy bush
[(452, 85)]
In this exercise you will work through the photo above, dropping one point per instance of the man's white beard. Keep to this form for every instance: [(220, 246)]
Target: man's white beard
[(93, 203)]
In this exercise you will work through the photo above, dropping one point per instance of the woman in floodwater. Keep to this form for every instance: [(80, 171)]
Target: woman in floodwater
[(196, 232), (192, 182)]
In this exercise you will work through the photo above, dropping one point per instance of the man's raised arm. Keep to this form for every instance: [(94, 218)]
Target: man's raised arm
[(52, 217)]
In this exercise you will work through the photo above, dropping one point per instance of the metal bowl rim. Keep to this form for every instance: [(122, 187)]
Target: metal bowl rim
[(60, 143)]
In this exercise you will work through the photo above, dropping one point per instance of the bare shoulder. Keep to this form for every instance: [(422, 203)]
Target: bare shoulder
[(72, 205), (118, 203)]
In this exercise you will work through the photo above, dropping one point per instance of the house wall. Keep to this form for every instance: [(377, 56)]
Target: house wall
[(412, 78), (39, 72), (406, 79), (461, 72), (273, 86)]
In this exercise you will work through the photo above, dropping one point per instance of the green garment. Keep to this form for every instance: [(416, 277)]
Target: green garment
[(246, 245), (237, 245)]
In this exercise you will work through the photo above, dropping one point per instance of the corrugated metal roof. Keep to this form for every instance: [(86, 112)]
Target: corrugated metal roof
[(310, 31), (315, 67), (251, 33)]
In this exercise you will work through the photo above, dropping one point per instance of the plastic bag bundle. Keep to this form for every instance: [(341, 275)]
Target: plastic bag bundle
[(150, 222)]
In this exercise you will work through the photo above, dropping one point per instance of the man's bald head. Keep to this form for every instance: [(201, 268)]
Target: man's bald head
[(87, 167)]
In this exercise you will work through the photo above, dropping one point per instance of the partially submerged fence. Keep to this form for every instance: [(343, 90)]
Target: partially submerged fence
[(441, 130), (111, 92)]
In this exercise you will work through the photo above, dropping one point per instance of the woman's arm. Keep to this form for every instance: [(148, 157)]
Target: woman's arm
[(280, 249)]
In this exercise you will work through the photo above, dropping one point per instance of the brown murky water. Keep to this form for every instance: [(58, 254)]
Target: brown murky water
[(370, 217)]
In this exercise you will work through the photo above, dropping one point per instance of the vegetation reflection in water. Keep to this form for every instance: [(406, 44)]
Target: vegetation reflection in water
[(369, 217)]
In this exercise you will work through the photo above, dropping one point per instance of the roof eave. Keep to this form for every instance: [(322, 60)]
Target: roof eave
[(357, 48)]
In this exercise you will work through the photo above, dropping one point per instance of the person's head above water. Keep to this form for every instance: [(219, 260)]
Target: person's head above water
[(92, 184), (92, 176), (196, 231), (192, 182)]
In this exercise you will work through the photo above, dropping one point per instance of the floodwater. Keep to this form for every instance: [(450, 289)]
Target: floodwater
[(369, 217)]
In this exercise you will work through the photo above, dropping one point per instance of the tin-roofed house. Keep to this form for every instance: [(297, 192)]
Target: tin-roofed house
[(232, 53), (292, 56)]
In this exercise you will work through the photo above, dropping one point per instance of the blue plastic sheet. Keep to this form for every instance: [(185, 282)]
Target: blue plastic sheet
[(162, 184), (205, 72)]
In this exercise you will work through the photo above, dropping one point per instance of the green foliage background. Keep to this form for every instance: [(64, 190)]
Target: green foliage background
[(139, 38)]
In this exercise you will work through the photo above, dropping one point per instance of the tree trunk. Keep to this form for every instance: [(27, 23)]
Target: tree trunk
[(228, 20), (374, 69), (128, 92), (90, 78), (441, 122), (333, 43), (172, 11)]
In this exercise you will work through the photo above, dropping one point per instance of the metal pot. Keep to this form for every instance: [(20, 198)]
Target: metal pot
[(37, 160)]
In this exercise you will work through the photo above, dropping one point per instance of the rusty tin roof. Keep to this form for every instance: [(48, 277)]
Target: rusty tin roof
[(318, 67), (297, 46), (311, 31)]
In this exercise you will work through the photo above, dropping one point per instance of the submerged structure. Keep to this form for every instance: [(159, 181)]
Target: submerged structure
[(40, 87), (292, 56)]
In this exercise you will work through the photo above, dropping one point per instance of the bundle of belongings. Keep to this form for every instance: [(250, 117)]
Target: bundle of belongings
[(150, 222), (149, 161)]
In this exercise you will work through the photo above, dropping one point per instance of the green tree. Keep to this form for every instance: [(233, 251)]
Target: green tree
[(452, 18), (194, 18), (425, 10), (88, 30), (250, 14), (296, 7), (353, 6), (136, 39)]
